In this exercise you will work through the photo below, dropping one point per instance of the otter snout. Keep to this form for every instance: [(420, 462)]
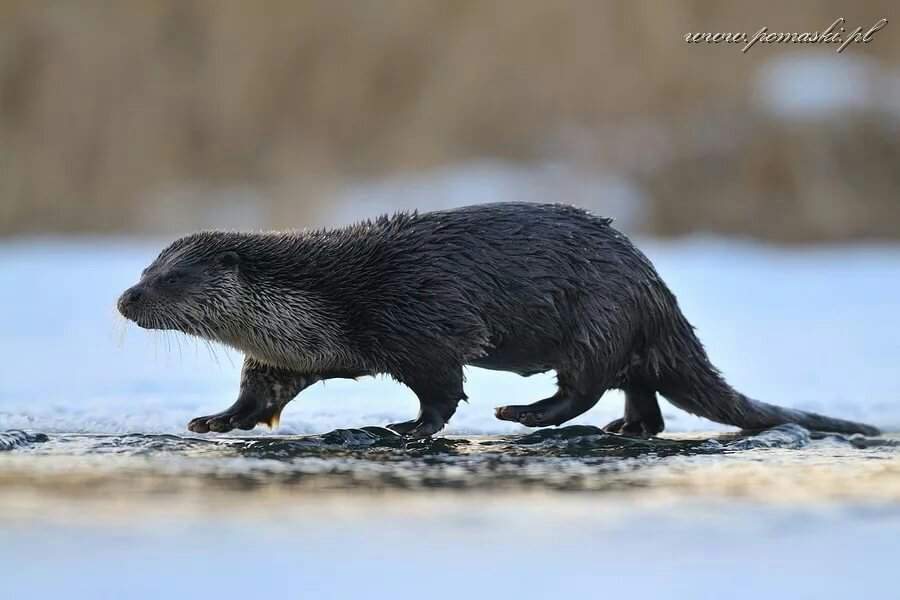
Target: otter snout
[(129, 301)]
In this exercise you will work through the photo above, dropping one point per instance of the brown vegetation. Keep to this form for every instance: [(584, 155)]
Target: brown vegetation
[(136, 116)]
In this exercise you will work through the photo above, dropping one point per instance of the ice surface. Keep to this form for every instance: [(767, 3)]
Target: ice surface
[(808, 328), (470, 548)]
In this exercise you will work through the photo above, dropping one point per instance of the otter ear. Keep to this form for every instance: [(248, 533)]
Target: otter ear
[(229, 259)]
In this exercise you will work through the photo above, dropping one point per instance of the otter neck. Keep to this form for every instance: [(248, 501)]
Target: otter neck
[(292, 333)]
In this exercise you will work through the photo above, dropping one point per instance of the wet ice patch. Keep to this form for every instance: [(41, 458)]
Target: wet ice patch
[(10, 440), (783, 436), (574, 458)]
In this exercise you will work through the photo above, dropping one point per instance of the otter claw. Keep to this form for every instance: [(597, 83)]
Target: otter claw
[(220, 425), (199, 425)]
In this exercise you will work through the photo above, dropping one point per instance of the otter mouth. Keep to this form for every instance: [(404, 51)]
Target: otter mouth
[(141, 319), (149, 312), (148, 319), (139, 315), (145, 324)]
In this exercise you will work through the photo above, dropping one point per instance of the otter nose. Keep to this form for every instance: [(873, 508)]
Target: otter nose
[(131, 297)]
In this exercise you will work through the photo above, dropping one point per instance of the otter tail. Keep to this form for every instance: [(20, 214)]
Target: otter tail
[(693, 384)]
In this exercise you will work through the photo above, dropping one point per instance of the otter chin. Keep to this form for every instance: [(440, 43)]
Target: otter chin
[(517, 287)]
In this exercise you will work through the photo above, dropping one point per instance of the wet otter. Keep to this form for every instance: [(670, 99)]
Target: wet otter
[(517, 287)]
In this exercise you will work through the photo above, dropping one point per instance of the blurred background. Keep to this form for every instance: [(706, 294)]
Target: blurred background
[(170, 115)]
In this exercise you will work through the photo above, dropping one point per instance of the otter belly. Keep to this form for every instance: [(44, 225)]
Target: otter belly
[(523, 360)]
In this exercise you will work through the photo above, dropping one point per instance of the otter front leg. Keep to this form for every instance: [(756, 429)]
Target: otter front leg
[(264, 393), (438, 397)]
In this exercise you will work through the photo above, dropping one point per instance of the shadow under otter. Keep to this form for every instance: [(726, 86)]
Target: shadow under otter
[(518, 287)]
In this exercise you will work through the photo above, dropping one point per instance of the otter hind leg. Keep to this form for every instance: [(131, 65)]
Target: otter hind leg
[(264, 393), (438, 399), (642, 415), (576, 395)]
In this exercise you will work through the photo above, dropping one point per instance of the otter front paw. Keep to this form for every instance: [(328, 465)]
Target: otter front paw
[(237, 417)]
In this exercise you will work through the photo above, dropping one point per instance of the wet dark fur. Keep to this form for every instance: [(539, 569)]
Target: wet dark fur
[(517, 287)]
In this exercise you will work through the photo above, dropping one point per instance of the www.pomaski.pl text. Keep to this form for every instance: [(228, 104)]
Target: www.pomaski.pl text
[(835, 34)]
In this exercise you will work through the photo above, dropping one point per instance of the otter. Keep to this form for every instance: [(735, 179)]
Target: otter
[(518, 287)]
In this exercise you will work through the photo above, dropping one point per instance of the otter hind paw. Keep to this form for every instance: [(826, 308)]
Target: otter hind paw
[(645, 429), (404, 427), (526, 415), (417, 428)]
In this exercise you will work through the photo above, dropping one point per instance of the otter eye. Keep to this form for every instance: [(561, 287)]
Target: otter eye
[(229, 259), (172, 279)]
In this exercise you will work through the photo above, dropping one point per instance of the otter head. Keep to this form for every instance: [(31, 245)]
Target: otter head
[(190, 287)]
